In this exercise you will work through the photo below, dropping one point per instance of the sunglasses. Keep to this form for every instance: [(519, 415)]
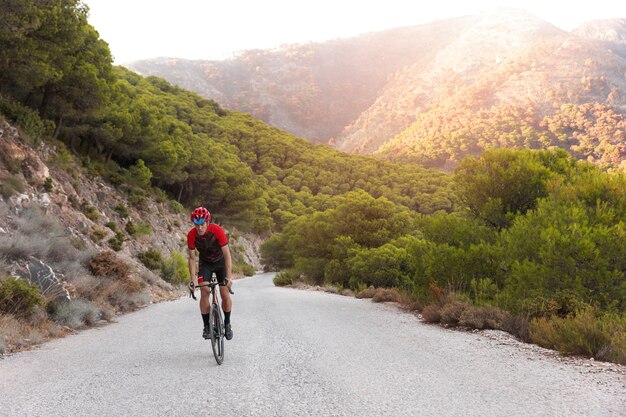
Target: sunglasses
[(198, 221)]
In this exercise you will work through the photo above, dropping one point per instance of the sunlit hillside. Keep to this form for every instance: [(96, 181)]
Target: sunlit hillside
[(417, 93)]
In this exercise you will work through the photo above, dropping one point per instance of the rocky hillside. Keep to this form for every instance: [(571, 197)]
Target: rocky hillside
[(360, 94), (83, 243)]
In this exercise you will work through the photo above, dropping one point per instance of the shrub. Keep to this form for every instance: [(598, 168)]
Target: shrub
[(177, 207), (75, 313), (432, 313), (121, 210), (9, 186), (585, 332), (175, 269), (138, 229), (19, 297), (244, 268), (139, 201), (91, 212), (452, 311), (387, 294), (116, 242), (366, 292), (97, 235), (14, 165), (152, 259), (486, 317), (47, 184), (106, 264), (143, 229), (285, 278), (111, 225), (26, 118)]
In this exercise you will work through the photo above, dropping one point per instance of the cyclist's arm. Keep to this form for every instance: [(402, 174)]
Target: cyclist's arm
[(191, 263), (229, 263)]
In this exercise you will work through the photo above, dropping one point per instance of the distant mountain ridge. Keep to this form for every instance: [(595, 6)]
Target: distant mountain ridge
[(381, 92), (312, 90)]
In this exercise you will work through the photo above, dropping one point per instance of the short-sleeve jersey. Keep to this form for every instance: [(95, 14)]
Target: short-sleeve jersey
[(209, 245)]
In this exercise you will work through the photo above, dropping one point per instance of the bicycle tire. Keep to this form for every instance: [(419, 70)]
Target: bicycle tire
[(217, 334)]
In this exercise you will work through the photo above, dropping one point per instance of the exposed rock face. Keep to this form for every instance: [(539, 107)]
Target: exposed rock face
[(42, 275)]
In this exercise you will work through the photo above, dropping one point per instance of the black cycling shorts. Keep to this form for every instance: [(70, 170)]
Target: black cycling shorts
[(206, 270)]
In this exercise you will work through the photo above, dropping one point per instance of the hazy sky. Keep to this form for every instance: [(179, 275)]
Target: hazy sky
[(215, 29)]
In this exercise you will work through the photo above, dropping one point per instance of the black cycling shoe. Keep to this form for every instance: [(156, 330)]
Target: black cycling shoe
[(228, 332), (205, 333)]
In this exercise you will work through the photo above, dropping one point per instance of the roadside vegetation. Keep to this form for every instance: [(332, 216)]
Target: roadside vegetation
[(537, 248)]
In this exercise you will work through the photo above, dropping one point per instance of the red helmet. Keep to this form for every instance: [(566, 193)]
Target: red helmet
[(200, 215)]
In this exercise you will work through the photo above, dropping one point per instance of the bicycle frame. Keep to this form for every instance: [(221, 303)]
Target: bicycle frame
[(216, 320)]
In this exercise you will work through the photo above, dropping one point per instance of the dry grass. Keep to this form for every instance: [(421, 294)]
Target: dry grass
[(20, 334), (432, 313), (487, 317), (77, 314), (587, 333), (387, 295), (366, 293), (452, 311)]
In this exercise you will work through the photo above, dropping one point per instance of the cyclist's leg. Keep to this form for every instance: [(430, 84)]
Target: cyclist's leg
[(220, 274), (204, 274), (227, 303)]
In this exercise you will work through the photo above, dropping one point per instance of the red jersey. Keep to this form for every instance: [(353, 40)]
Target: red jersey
[(209, 244)]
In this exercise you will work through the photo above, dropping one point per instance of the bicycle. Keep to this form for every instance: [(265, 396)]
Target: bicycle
[(216, 320)]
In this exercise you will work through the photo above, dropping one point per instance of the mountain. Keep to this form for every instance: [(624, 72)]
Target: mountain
[(312, 90), (366, 94)]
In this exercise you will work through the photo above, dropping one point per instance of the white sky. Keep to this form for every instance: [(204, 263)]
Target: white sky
[(216, 29)]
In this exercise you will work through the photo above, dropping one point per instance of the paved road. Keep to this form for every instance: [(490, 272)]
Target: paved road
[(296, 353)]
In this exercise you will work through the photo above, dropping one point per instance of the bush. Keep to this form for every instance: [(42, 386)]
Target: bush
[(138, 229), (244, 268), (75, 313), (387, 294), (91, 212), (285, 278), (111, 225), (26, 118), (121, 210), (13, 165), (177, 207), (366, 292), (48, 185), (19, 297), (9, 186), (175, 269), (432, 313), (97, 235), (486, 317), (152, 259), (116, 242), (106, 264), (586, 333), (452, 311)]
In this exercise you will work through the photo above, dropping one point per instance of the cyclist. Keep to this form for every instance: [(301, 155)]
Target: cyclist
[(212, 244)]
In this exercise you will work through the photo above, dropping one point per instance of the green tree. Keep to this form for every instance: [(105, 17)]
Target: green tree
[(503, 183)]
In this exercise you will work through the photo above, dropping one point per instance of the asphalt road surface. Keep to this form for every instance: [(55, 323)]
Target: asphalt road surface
[(298, 353)]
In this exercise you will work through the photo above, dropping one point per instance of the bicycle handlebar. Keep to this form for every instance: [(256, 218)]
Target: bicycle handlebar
[(212, 283)]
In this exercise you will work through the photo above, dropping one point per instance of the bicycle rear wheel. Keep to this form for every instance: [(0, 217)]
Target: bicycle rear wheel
[(217, 334)]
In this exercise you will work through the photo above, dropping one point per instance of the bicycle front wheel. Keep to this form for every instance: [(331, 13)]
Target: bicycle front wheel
[(217, 334)]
